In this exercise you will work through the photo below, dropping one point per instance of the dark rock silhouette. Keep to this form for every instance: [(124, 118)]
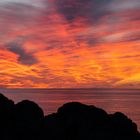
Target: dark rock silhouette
[(28, 120), (6, 116), (73, 121), (78, 121)]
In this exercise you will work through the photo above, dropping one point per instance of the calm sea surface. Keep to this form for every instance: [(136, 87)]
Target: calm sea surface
[(126, 101)]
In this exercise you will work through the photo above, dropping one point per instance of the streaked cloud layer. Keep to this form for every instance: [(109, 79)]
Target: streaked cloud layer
[(70, 43)]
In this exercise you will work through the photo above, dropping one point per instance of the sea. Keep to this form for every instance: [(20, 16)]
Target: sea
[(111, 100)]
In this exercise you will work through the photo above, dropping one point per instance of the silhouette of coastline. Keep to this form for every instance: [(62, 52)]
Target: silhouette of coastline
[(73, 121)]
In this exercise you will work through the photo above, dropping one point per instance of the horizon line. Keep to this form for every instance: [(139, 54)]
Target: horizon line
[(69, 88)]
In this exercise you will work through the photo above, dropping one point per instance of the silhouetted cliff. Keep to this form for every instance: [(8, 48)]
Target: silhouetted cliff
[(73, 121)]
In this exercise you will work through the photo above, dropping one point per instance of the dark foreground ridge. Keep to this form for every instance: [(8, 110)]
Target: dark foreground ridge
[(73, 121)]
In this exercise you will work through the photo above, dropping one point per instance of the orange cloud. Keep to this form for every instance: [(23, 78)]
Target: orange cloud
[(53, 48)]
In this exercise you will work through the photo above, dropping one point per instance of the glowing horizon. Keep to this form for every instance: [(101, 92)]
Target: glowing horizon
[(70, 44)]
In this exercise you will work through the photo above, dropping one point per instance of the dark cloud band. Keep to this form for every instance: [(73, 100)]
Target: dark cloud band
[(90, 10), (24, 57)]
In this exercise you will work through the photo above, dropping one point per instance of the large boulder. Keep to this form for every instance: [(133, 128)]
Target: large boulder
[(76, 121), (6, 116), (28, 120)]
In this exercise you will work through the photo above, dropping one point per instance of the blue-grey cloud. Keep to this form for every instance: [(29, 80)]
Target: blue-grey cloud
[(24, 57), (90, 10), (122, 5), (37, 3)]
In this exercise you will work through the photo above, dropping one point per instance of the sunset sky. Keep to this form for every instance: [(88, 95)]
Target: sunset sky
[(70, 43)]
